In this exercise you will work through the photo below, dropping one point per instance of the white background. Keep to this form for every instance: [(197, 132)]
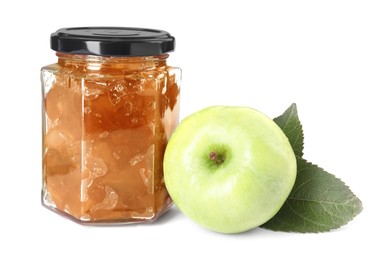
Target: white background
[(262, 54)]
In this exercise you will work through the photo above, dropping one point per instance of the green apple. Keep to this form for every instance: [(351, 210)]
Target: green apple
[(230, 169)]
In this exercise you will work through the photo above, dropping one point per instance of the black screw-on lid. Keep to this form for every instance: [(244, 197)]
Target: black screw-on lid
[(112, 41)]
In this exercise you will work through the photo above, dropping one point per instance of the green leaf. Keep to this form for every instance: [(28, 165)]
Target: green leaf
[(318, 202), (290, 124)]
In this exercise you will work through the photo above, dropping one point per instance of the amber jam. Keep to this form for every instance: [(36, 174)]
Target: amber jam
[(106, 123)]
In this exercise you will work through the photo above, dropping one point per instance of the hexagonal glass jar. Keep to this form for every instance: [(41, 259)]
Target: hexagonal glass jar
[(110, 104)]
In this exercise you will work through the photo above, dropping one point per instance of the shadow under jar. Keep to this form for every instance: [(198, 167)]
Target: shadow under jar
[(110, 104)]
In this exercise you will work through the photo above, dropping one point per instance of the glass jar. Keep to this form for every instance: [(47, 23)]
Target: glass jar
[(110, 104)]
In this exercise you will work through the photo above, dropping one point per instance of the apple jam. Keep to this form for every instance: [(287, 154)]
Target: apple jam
[(106, 123)]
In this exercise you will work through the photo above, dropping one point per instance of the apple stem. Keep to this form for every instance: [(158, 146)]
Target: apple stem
[(216, 157)]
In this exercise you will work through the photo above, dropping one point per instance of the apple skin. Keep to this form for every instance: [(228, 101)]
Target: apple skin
[(245, 190)]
